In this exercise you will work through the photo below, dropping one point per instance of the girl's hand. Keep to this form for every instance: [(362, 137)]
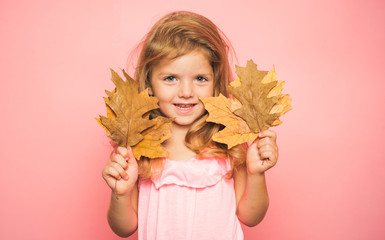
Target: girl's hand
[(262, 154), (121, 171)]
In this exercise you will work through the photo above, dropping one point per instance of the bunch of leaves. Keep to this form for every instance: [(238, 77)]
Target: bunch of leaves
[(257, 105), (128, 121)]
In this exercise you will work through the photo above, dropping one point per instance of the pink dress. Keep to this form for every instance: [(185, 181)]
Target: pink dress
[(190, 200)]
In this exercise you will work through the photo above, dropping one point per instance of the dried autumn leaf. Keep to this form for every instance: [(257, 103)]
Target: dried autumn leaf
[(110, 114), (282, 107), (258, 105), (221, 111), (150, 146), (128, 122)]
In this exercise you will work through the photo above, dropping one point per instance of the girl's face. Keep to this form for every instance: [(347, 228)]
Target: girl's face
[(179, 83)]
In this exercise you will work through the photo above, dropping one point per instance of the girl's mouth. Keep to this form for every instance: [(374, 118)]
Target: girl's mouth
[(184, 108)]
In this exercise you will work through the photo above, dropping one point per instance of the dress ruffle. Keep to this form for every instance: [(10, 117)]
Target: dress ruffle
[(194, 173)]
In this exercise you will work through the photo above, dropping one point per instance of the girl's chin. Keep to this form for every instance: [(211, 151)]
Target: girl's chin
[(185, 121)]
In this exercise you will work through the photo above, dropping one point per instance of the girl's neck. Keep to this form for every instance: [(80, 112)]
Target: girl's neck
[(175, 145)]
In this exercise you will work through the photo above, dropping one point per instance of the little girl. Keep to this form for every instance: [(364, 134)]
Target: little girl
[(201, 190)]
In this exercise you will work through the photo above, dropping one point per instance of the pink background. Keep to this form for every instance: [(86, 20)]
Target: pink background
[(54, 63)]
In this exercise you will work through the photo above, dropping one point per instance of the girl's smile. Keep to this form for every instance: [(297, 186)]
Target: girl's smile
[(179, 83), (184, 108)]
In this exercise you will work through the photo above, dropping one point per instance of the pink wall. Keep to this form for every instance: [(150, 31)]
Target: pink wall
[(54, 62)]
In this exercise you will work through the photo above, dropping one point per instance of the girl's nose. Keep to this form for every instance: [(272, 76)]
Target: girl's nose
[(186, 89)]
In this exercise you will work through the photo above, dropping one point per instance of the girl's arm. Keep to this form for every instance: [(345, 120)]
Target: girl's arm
[(249, 181), (123, 213), (121, 175)]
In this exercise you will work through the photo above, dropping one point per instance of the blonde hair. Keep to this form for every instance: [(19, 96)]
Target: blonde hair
[(175, 35)]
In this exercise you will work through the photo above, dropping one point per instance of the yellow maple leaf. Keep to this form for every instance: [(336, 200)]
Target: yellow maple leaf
[(110, 114), (252, 93), (151, 146), (258, 104), (221, 111), (128, 122)]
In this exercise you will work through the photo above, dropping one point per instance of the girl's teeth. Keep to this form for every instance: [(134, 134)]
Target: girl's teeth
[(184, 106)]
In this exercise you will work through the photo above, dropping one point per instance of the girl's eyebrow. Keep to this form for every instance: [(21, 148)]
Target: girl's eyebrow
[(206, 74), (164, 74), (176, 74)]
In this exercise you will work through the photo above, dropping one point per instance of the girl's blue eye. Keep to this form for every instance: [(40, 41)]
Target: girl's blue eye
[(169, 78), (201, 79)]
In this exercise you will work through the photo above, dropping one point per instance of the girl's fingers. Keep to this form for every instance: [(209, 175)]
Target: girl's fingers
[(111, 172), (263, 141), (121, 171), (116, 168), (117, 158), (267, 137), (267, 143), (268, 133), (122, 151), (267, 148), (267, 155)]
